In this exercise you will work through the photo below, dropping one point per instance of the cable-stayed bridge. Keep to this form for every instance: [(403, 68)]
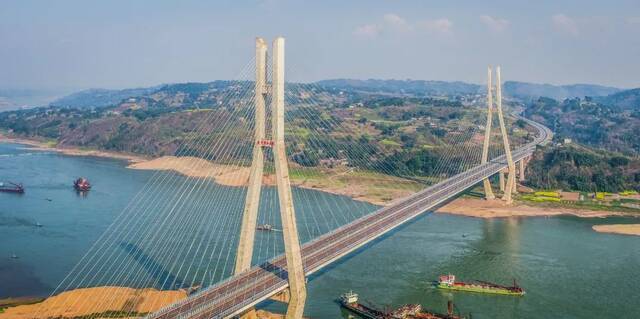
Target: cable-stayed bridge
[(245, 290), (190, 232)]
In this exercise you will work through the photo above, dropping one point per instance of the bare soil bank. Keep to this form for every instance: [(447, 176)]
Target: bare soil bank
[(44, 146), (475, 207), (369, 187), (623, 229), (97, 300)]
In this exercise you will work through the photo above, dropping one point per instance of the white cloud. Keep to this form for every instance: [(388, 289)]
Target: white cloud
[(494, 24), (565, 24), (367, 31), (442, 25), (396, 22), (392, 22)]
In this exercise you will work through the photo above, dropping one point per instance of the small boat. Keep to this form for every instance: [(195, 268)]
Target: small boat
[(38, 224), (81, 184), (14, 256), (266, 227), (10, 187), (449, 282)]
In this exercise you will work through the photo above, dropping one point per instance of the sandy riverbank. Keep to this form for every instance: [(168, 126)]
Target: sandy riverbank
[(104, 302), (377, 189), (475, 207), (97, 300), (623, 229), (369, 187), (227, 175), (44, 146)]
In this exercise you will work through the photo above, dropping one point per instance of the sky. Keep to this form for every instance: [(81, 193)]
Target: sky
[(77, 44)]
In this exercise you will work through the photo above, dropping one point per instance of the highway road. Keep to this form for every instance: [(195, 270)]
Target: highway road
[(239, 293)]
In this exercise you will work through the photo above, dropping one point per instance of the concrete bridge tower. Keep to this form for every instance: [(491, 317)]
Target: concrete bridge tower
[(297, 283), (510, 185), (488, 193), (511, 178)]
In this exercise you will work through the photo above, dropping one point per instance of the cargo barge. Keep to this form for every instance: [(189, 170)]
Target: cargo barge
[(350, 302), (11, 188), (449, 282)]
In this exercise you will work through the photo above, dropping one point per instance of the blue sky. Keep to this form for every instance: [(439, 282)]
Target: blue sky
[(117, 43)]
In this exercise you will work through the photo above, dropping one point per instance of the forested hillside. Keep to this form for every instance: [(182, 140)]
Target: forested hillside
[(406, 135), (573, 167), (613, 123)]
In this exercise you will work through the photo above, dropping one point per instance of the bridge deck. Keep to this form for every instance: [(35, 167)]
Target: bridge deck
[(239, 293)]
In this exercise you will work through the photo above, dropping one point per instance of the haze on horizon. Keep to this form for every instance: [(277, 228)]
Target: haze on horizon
[(74, 44)]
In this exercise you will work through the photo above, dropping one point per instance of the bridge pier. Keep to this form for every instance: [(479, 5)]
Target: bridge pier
[(522, 165), (501, 180)]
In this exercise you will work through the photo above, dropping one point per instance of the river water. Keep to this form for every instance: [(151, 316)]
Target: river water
[(568, 270)]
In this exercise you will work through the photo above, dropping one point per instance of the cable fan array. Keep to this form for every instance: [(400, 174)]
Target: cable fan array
[(180, 231)]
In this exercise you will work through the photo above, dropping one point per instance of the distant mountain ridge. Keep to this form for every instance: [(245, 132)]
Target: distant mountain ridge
[(530, 91), (18, 98), (101, 97), (420, 87), (521, 90), (628, 99)]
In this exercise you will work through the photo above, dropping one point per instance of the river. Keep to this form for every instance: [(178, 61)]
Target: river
[(568, 270)]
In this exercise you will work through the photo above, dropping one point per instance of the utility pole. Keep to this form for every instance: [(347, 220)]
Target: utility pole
[(293, 256)]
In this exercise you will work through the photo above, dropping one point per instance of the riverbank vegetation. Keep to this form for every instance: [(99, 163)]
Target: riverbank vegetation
[(578, 168)]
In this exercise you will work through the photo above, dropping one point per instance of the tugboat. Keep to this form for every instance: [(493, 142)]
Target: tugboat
[(349, 301), (11, 188), (449, 282), (81, 184)]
